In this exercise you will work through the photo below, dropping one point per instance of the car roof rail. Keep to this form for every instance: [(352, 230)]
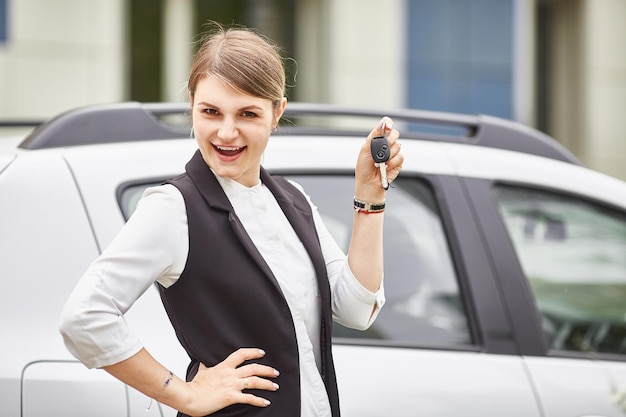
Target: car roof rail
[(20, 123), (479, 130), (134, 121), (108, 123)]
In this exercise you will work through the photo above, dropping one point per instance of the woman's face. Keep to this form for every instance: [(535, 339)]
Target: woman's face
[(232, 129)]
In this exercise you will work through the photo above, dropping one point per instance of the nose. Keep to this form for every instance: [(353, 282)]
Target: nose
[(228, 129)]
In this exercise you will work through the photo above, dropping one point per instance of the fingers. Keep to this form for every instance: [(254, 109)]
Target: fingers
[(229, 382), (251, 374), (257, 369), (394, 165), (367, 173), (254, 382), (253, 400), (384, 126), (244, 354), (239, 356)]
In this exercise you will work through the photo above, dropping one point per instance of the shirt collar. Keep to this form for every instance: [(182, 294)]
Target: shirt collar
[(235, 189)]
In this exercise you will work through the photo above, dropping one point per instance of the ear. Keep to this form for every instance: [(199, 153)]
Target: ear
[(280, 109)]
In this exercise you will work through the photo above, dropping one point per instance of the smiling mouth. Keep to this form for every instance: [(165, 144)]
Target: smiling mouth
[(229, 150)]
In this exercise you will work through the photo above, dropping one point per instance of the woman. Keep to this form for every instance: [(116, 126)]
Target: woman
[(249, 276)]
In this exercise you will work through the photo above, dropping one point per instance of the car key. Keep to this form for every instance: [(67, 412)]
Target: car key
[(379, 147)]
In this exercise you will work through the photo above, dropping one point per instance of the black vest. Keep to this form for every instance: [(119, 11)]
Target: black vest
[(227, 297)]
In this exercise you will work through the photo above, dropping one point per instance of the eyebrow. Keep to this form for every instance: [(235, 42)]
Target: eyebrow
[(244, 108)]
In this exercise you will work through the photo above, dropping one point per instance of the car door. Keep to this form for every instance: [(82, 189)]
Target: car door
[(442, 344), (561, 258)]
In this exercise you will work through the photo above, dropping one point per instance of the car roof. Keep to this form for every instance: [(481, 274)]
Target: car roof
[(135, 122)]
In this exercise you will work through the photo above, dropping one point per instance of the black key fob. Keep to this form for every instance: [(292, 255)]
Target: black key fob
[(379, 147)]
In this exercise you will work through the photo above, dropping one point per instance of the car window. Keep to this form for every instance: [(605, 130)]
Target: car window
[(573, 253), (423, 303), (130, 194)]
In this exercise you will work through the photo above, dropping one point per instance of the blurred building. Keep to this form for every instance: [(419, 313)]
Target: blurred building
[(558, 65)]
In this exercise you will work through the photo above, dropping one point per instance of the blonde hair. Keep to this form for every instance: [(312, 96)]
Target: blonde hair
[(242, 58)]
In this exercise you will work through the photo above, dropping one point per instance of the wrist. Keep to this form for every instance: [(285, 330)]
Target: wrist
[(180, 396), (369, 192), (368, 207)]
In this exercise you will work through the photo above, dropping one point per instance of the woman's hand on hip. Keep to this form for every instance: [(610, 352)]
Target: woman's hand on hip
[(227, 383)]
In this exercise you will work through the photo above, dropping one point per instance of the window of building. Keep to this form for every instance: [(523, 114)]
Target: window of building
[(4, 20), (460, 57), (573, 253), (147, 36), (559, 97)]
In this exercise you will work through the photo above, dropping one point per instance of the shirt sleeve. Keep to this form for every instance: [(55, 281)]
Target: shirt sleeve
[(353, 305), (151, 246)]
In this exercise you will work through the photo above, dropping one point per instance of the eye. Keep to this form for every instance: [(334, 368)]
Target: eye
[(210, 111), (249, 114)]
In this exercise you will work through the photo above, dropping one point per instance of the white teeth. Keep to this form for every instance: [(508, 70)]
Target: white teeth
[(227, 148)]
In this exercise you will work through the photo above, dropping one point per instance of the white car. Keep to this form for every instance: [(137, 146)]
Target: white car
[(505, 262)]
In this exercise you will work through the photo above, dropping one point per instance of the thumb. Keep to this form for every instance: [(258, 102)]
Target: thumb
[(384, 125)]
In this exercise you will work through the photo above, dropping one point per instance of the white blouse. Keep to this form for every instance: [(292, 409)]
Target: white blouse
[(151, 247)]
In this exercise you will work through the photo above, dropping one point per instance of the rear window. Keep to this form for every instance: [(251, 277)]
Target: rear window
[(573, 253)]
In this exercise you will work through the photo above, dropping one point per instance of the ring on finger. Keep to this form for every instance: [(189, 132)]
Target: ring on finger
[(245, 383)]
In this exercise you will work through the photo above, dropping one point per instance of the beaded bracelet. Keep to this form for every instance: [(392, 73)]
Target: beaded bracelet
[(367, 208), (165, 384), (168, 380)]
